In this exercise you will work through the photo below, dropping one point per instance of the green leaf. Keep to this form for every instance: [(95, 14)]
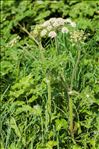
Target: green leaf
[(42, 15), (61, 123), (51, 144), (13, 125), (24, 108)]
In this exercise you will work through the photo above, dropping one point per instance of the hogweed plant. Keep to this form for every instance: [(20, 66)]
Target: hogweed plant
[(52, 28), (51, 104), (65, 32)]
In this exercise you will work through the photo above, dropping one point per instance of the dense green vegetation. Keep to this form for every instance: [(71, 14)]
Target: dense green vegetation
[(49, 88)]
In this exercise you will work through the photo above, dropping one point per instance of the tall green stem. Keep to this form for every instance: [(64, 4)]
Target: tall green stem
[(75, 70), (56, 45), (48, 104), (70, 99), (71, 116), (49, 96)]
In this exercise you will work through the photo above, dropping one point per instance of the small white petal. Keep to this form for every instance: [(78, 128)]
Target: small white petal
[(43, 32), (73, 24), (56, 24), (49, 28), (60, 21), (45, 24), (52, 20), (52, 34), (65, 30), (68, 20)]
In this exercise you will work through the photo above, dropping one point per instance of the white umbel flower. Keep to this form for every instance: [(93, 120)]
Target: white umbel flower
[(52, 34), (60, 21), (43, 33), (52, 20), (49, 28), (68, 20), (73, 24), (56, 24), (65, 30), (45, 24)]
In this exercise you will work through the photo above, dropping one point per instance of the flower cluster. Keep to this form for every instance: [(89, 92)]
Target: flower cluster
[(13, 41), (52, 26), (77, 36)]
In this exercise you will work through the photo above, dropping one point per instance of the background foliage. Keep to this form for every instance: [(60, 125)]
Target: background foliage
[(28, 83)]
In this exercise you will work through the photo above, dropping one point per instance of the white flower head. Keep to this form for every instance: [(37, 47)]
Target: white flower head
[(68, 20), (52, 34), (43, 33), (56, 24), (65, 30), (60, 21), (52, 20), (73, 24), (46, 23), (49, 28)]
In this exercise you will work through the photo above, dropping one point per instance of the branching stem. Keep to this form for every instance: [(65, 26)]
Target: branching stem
[(37, 43)]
